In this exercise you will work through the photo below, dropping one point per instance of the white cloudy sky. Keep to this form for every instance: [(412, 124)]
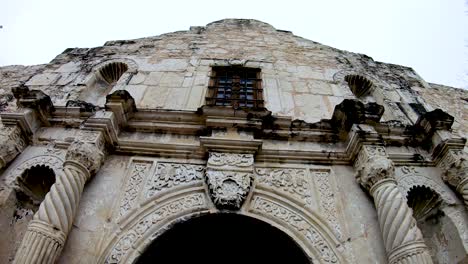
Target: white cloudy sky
[(429, 35)]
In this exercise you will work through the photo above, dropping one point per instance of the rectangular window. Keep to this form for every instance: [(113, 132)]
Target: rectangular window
[(235, 86)]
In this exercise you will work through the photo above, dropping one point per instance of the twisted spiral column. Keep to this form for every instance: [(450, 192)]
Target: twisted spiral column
[(47, 232), (402, 238)]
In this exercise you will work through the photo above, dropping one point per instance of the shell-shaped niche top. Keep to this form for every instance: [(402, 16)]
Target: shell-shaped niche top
[(423, 201), (111, 72), (359, 85)]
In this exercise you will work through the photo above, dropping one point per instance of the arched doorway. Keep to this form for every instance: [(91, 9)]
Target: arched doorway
[(223, 238)]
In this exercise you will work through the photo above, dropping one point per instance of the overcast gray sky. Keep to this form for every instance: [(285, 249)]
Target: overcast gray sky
[(429, 35)]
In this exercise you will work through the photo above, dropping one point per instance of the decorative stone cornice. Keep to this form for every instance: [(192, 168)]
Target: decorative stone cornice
[(121, 115), (435, 120), (85, 154), (350, 112), (34, 99), (229, 177), (122, 104)]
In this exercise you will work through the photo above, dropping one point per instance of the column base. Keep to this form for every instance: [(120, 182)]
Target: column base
[(41, 244), (415, 252)]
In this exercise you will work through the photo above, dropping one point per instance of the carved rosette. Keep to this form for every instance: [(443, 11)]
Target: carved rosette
[(229, 177), (455, 170), (402, 238), (12, 143), (58, 209)]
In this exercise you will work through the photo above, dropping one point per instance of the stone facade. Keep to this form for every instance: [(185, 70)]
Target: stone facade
[(357, 161)]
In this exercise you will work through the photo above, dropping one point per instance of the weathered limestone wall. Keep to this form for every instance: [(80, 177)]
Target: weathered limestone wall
[(452, 100), (301, 78), (312, 197)]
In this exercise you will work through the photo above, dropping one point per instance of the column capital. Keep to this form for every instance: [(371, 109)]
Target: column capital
[(455, 167), (373, 165), (12, 143), (86, 155)]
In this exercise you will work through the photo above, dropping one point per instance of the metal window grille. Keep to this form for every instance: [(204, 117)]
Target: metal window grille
[(235, 86)]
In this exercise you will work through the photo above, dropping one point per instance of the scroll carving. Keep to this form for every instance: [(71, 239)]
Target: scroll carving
[(134, 185), (230, 159), (136, 232), (299, 224), (291, 181), (327, 200), (169, 175)]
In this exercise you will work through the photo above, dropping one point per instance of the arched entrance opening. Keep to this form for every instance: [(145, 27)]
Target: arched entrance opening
[(223, 238)]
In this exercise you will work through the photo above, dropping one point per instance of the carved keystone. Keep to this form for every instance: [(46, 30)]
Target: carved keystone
[(229, 178)]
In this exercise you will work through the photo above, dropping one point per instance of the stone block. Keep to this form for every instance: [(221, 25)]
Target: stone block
[(154, 97), (153, 78), (71, 66), (43, 79), (172, 79), (196, 97), (167, 65), (139, 78), (137, 92)]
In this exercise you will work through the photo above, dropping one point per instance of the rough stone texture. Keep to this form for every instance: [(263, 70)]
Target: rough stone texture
[(301, 148), (451, 100)]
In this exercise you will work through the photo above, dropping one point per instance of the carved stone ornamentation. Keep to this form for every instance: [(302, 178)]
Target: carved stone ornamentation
[(12, 143), (328, 200), (228, 189), (229, 178), (169, 175), (290, 180), (58, 209), (231, 159), (455, 172), (373, 165), (85, 154), (139, 170), (136, 232), (402, 238), (299, 224), (53, 162)]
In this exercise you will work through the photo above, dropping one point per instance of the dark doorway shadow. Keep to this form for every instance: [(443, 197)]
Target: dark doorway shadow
[(223, 238)]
